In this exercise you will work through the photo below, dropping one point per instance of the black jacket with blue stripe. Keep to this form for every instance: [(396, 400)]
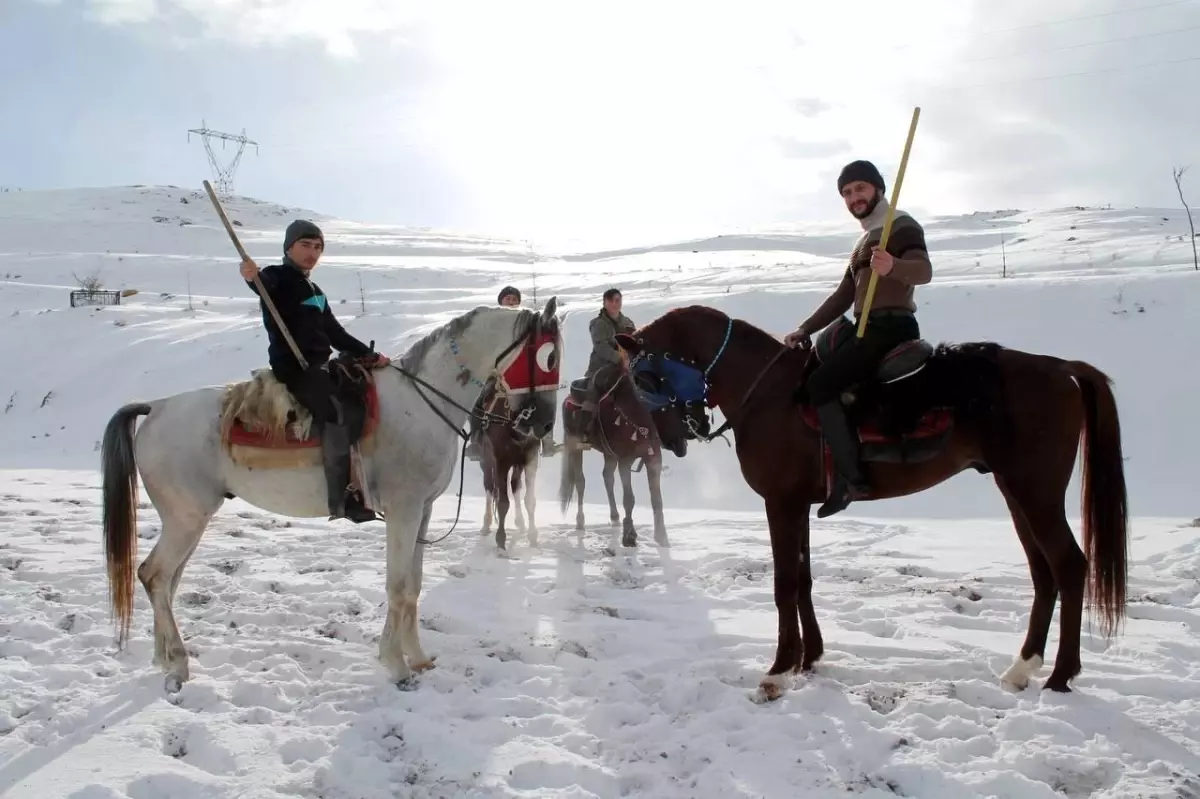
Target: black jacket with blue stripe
[(305, 310)]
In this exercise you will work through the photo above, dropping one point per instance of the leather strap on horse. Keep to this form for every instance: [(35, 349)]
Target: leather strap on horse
[(262, 291), (740, 409)]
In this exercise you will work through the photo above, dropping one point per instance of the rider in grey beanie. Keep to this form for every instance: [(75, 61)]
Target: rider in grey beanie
[(301, 229)]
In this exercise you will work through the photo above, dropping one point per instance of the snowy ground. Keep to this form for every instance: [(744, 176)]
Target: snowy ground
[(566, 672)]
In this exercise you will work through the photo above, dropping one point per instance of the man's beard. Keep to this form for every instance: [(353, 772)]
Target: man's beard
[(871, 205)]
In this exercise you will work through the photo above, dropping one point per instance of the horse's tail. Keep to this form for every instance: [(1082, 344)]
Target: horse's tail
[(572, 471), (1105, 507), (119, 477)]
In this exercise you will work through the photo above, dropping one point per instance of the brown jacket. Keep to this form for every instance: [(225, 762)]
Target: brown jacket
[(912, 268)]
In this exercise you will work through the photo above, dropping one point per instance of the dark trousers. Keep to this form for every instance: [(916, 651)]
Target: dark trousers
[(858, 359), (313, 388), (854, 362)]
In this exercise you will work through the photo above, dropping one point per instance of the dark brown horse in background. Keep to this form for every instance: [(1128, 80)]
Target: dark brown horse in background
[(507, 456), (632, 417), (928, 415)]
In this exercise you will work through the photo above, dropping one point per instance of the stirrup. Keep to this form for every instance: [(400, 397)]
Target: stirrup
[(352, 509)]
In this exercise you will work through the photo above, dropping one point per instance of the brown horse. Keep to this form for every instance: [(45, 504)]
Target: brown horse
[(506, 456), (627, 416), (929, 414)]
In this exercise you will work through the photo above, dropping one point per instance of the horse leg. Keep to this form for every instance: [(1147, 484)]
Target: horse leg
[(160, 574), (784, 514), (1045, 593), (489, 496), (610, 468), (502, 505), (403, 521), (518, 471), (531, 470), (654, 481), (580, 480), (410, 641), (629, 532), (812, 643)]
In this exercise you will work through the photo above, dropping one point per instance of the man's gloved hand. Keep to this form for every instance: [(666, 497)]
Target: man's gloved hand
[(797, 338), (376, 360)]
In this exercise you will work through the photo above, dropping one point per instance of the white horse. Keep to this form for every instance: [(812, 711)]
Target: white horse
[(189, 467)]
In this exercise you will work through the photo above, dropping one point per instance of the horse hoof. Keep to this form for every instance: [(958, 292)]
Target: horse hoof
[(424, 665), (661, 540), (407, 684), (769, 690), (1058, 686), (173, 684)]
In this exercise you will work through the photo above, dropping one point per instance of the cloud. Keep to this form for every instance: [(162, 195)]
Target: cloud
[(624, 115), (337, 24), (795, 148), (811, 106)]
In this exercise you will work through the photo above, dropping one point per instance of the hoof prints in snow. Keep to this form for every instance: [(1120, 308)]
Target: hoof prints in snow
[(566, 672)]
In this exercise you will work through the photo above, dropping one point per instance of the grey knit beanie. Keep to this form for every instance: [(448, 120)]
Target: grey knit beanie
[(301, 229)]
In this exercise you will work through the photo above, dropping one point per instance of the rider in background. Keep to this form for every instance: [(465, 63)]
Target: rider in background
[(509, 297)]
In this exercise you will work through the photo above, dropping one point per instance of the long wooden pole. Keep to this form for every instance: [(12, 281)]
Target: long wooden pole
[(887, 222), (262, 292)]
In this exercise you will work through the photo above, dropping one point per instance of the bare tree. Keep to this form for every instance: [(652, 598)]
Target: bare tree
[(92, 282), (1177, 174)]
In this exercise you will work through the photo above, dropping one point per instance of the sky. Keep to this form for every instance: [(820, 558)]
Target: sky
[(613, 122)]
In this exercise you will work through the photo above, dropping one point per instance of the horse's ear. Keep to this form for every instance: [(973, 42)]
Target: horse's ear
[(628, 343), (549, 311)]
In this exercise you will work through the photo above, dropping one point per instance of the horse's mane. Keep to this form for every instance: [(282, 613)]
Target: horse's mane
[(416, 353), (747, 332)]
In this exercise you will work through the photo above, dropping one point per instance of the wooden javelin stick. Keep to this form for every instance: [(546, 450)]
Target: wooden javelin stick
[(887, 222), (262, 292)]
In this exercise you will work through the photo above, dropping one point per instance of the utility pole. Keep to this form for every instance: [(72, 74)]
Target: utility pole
[(223, 175), (533, 270), (1003, 257)]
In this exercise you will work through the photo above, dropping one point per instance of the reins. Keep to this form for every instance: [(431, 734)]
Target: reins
[(740, 408), (485, 416)]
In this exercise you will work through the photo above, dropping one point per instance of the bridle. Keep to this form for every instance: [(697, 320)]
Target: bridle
[(690, 366), (687, 381), (527, 340)]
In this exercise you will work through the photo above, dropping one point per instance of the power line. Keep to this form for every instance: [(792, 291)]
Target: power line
[(1088, 16), (1066, 75), (1077, 46)]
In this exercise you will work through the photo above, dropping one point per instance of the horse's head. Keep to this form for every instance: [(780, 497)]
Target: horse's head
[(675, 398), (527, 371), (668, 357)]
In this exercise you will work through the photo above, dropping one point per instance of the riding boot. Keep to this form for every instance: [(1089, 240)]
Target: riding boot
[(843, 444), (335, 452)]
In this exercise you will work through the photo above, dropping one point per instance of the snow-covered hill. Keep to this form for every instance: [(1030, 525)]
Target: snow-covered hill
[(1114, 287), (566, 672)]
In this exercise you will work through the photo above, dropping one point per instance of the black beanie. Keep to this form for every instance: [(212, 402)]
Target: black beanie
[(301, 229), (860, 170), (504, 292)]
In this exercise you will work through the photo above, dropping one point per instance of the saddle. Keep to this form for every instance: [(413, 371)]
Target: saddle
[(583, 392), (894, 420), (264, 426)]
